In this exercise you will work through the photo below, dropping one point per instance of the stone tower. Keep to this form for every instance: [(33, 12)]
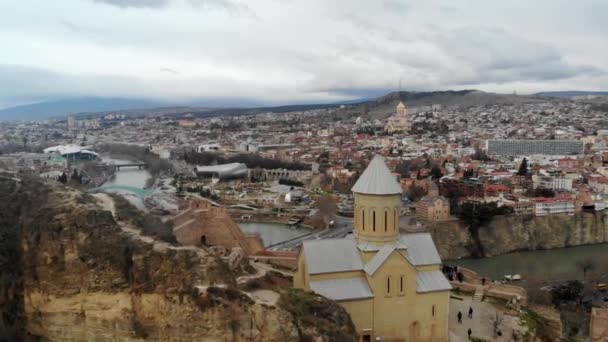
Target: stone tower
[(377, 204)]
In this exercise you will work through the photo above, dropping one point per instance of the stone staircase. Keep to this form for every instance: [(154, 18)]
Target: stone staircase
[(478, 296)]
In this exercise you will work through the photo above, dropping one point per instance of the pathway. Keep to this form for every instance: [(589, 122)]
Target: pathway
[(481, 324)]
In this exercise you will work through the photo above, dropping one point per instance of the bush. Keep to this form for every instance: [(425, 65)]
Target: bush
[(290, 182), (568, 292)]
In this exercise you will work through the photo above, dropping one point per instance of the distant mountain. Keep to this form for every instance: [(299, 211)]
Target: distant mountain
[(87, 105), (59, 108), (571, 93)]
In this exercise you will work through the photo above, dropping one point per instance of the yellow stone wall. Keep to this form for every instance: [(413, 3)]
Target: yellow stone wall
[(386, 225), (396, 312)]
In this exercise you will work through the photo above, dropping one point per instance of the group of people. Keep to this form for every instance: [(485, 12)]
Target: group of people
[(453, 272), (459, 315)]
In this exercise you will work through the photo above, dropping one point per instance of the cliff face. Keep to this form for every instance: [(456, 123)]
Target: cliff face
[(84, 277), (506, 234)]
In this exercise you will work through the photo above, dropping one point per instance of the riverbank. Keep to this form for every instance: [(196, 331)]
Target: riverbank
[(510, 233), (547, 265)]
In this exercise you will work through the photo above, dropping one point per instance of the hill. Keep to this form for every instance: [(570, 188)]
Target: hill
[(384, 106), (571, 93)]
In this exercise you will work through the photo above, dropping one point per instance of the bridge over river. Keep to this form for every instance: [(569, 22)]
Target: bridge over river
[(117, 166)]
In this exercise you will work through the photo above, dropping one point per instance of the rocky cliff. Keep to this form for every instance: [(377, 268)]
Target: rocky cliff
[(511, 233), (73, 273)]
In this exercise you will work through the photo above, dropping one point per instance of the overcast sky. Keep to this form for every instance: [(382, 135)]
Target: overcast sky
[(279, 51)]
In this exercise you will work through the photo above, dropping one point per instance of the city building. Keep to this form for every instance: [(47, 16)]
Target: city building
[(514, 148), (433, 207), (223, 171), (554, 205), (390, 283), (72, 152), (553, 183)]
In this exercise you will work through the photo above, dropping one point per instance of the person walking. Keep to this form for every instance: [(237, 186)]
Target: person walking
[(469, 332), (459, 317), (470, 312)]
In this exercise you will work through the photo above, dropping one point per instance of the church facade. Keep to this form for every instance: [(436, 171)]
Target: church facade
[(390, 283), (433, 207), (399, 121)]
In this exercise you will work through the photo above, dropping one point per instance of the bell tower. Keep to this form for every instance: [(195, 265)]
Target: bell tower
[(377, 204)]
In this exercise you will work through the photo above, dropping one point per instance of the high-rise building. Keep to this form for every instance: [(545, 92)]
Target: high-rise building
[(514, 148)]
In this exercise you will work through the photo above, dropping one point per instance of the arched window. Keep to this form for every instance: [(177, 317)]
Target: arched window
[(388, 285), (385, 220), (363, 218), (433, 310), (374, 220), (396, 218), (402, 285)]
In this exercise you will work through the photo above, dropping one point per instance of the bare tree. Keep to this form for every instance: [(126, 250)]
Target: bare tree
[(327, 207), (496, 321), (586, 265)]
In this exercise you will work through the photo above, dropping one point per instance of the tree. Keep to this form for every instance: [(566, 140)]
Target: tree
[(415, 192), (541, 192), (586, 265), (523, 168), (436, 172), (571, 291), (496, 322), (480, 155), (327, 207)]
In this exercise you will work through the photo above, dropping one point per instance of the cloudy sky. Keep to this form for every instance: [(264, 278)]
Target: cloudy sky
[(281, 51)]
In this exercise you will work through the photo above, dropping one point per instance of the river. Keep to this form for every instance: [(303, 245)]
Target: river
[(127, 176), (273, 233), (548, 265)]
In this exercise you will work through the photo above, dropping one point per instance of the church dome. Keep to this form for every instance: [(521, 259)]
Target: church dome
[(377, 179)]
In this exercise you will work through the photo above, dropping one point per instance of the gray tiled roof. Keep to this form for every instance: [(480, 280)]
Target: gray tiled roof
[(377, 179), (431, 281), (372, 266), (342, 289), (420, 249), (331, 255)]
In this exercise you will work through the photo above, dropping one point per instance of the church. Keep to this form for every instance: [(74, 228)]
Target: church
[(390, 283), (399, 121)]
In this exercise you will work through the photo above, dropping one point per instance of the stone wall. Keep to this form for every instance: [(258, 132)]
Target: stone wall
[(204, 224)]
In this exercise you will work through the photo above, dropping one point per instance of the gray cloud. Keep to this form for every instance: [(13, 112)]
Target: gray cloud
[(135, 3), (169, 71), (297, 49)]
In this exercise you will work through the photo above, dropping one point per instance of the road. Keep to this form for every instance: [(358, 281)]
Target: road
[(342, 227)]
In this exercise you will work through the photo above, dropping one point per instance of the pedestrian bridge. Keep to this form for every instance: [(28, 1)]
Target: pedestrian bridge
[(117, 166), (136, 191)]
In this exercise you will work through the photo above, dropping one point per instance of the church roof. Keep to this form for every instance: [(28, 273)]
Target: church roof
[(420, 249), (431, 281), (400, 105), (342, 289), (372, 266), (377, 179), (331, 255)]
